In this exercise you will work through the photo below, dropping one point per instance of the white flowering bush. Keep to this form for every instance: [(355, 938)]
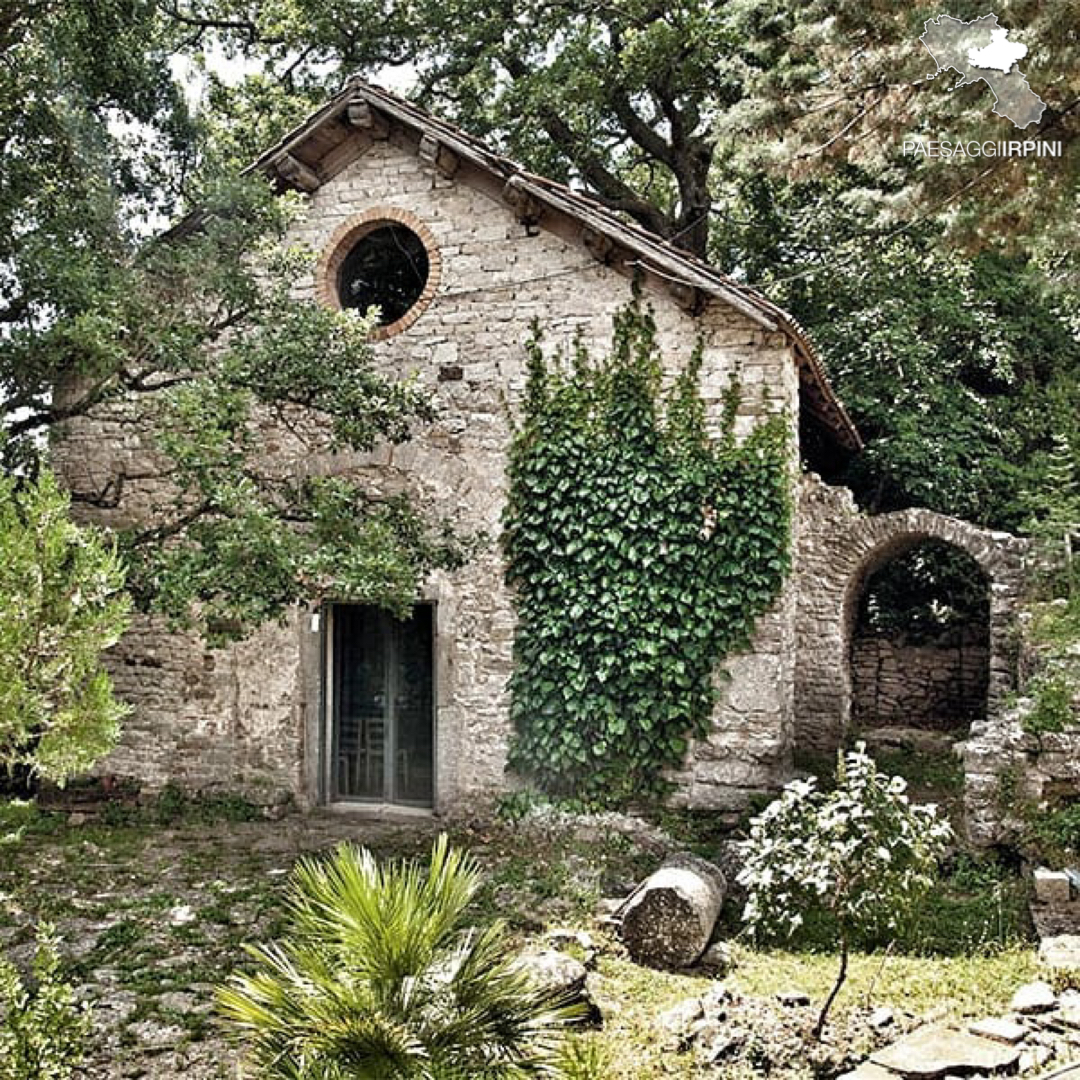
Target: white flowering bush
[(859, 856)]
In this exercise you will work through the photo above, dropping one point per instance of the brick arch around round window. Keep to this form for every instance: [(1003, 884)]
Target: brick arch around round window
[(349, 233)]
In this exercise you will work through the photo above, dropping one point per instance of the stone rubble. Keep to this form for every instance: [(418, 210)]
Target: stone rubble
[(1036, 997), (1046, 1032)]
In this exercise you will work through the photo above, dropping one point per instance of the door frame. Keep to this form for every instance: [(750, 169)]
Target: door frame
[(327, 796)]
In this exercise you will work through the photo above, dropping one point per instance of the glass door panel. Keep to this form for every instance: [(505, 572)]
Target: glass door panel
[(413, 708), (382, 715)]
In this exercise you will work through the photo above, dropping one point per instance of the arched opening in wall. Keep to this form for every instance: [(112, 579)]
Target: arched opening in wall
[(919, 647)]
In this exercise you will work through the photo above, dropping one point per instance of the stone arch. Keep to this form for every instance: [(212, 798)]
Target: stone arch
[(838, 549)]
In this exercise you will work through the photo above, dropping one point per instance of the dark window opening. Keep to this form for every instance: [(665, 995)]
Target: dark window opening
[(387, 268)]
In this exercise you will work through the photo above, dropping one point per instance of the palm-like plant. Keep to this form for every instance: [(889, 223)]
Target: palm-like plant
[(382, 980)]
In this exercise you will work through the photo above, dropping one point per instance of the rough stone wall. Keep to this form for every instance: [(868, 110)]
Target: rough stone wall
[(939, 685), (251, 713), (837, 549)]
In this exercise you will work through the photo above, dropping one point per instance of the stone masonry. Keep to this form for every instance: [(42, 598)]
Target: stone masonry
[(251, 715), (939, 685), (837, 549)]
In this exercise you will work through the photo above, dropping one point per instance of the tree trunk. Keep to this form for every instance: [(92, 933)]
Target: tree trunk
[(669, 918), (820, 1026)]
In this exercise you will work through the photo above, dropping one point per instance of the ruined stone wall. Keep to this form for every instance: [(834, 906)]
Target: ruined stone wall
[(939, 685), (838, 548), (252, 713)]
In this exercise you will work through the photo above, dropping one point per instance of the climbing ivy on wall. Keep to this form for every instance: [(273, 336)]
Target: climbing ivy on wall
[(641, 552)]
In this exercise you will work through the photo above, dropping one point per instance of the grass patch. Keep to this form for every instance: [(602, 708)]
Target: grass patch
[(941, 772), (1056, 833), (956, 985), (1052, 709)]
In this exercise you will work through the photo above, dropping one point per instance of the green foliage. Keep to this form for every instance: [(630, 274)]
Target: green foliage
[(1055, 833), (238, 535), (61, 606), (1054, 628), (958, 390), (641, 552), (43, 1033), (654, 107), (382, 979), (175, 806), (928, 591), (195, 330), (585, 1059), (858, 857), (978, 904), (977, 907), (514, 806), (861, 852), (941, 771), (1052, 704), (1055, 521)]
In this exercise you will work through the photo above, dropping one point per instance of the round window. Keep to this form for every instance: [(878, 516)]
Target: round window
[(386, 268)]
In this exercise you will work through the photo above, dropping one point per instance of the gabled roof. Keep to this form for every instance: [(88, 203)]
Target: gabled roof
[(327, 141)]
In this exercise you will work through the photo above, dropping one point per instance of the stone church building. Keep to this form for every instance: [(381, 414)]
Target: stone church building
[(462, 249)]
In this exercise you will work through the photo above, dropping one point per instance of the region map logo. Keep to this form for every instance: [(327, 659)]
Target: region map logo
[(976, 50)]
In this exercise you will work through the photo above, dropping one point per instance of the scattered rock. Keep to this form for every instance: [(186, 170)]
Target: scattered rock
[(869, 1071), (607, 910), (604, 1007), (181, 915), (679, 1019), (938, 1050), (793, 998), (577, 943), (908, 738), (1005, 1031), (881, 1018), (1035, 1058), (1069, 1013), (1052, 886), (156, 1037), (716, 997), (1035, 997), (557, 972), (721, 1045), (718, 958), (181, 1002), (1060, 952)]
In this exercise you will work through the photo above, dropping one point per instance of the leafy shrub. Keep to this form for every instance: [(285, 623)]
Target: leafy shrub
[(585, 1059), (175, 806), (61, 606), (18, 816), (514, 806), (1052, 707), (857, 857), (978, 906), (43, 1033), (382, 978)]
